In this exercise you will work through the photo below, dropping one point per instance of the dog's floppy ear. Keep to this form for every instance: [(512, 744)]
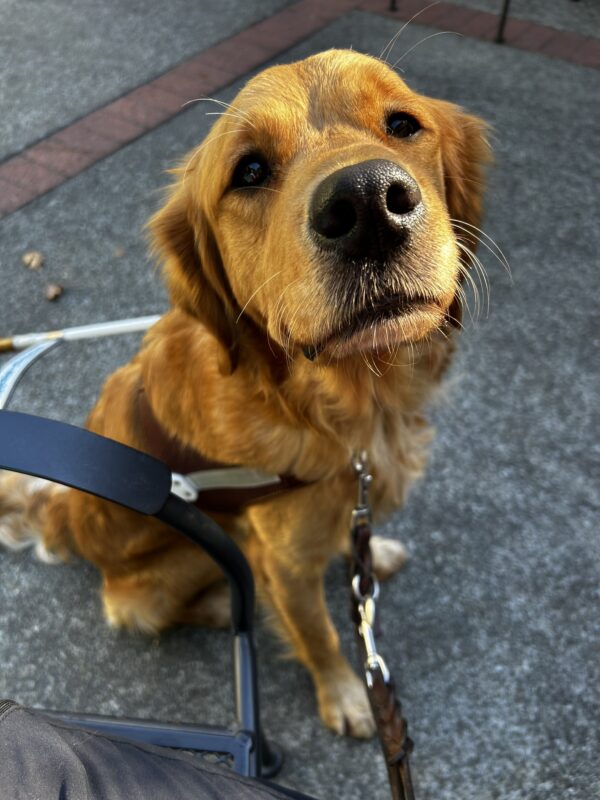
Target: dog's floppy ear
[(465, 154), (195, 275)]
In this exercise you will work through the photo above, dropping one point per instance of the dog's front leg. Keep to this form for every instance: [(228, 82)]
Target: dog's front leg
[(290, 580), (298, 598)]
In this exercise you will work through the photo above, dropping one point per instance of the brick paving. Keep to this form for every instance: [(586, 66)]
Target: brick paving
[(46, 164)]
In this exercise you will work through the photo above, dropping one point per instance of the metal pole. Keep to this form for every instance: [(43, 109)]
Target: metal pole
[(503, 16), (23, 340), (14, 369)]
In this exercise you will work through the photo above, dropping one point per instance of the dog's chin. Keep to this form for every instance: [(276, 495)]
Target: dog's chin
[(386, 334), (380, 327)]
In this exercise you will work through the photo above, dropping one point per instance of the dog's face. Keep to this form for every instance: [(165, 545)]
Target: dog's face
[(321, 207)]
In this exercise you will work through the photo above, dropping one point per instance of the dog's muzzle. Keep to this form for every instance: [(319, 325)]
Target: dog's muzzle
[(365, 211)]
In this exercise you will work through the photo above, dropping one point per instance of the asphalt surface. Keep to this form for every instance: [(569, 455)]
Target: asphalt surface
[(492, 628)]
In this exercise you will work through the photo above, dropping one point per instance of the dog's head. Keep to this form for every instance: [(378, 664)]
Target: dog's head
[(320, 210)]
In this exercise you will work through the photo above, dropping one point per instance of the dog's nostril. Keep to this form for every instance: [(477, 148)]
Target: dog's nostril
[(402, 198), (336, 219)]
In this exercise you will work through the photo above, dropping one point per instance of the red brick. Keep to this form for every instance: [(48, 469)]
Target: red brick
[(435, 15), (58, 157), (150, 95), (289, 26), (81, 137), (110, 126), (144, 115), (273, 32), (515, 28), (328, 10), (179, 84), (481, 26), (208, 78), (589, 55), (375, 6), (246, 39), (235, 56), (457, 18), (406, 8), (12, 197), (564, 45), (533, 38), (29, 174)]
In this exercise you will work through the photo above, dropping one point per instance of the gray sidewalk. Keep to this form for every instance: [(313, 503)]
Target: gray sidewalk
[(60, 60), (492, 628), (580, 16)]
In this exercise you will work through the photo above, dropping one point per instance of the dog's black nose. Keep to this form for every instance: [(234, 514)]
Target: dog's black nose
[(365, 210)]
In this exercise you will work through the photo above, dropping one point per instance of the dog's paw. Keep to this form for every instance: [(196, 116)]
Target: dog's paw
[(344, 705), (388, 555), (17, 495)]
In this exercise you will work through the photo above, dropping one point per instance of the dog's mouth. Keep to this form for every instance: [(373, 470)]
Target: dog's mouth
[(380, 326)]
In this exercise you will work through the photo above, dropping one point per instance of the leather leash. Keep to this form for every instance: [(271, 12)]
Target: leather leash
[(392, 728)]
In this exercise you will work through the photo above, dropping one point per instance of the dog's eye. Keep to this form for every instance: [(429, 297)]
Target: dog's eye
[(402, 125), (252, 170)]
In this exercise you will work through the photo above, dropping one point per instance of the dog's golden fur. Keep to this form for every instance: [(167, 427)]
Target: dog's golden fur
[(224, 370)]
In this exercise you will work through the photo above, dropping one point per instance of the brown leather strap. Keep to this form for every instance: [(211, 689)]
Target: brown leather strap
[(184, 459), (392, 731), (392, 728)]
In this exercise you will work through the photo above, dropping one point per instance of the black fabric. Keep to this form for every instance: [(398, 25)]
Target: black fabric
[(41, 759)]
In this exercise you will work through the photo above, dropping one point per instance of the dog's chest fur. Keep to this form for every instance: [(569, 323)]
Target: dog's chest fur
[(309, 423)]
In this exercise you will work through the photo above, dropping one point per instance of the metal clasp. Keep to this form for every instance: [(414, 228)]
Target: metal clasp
[(360, 463), (184, 488), (367, 609)]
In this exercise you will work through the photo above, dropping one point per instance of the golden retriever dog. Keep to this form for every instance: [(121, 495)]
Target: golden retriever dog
[(314, 247)]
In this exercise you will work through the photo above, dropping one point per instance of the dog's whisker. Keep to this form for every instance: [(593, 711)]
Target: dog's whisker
[(387, 50), (476, 297), (467, 277), (367, 363), (473, 230), (464, 304), (424, 39), (483, 278), (463, 178), (255, 292), (242, 115), (285, 335), (236, 117), (260, 188), (480, 272), (493, 246)]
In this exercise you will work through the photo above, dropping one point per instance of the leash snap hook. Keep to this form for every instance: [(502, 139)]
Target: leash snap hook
[(360, 464)]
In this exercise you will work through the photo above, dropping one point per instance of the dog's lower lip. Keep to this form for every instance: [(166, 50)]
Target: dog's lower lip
[(386, 308), (379, 312)]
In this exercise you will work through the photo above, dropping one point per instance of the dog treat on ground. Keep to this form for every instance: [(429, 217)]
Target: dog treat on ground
[(32, 259), (54, 291)]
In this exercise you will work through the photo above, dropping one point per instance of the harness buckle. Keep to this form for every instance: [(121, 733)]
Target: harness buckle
[(184, 488)]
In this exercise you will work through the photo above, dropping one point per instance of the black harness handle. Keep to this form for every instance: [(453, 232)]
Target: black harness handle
[(103, 467)]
